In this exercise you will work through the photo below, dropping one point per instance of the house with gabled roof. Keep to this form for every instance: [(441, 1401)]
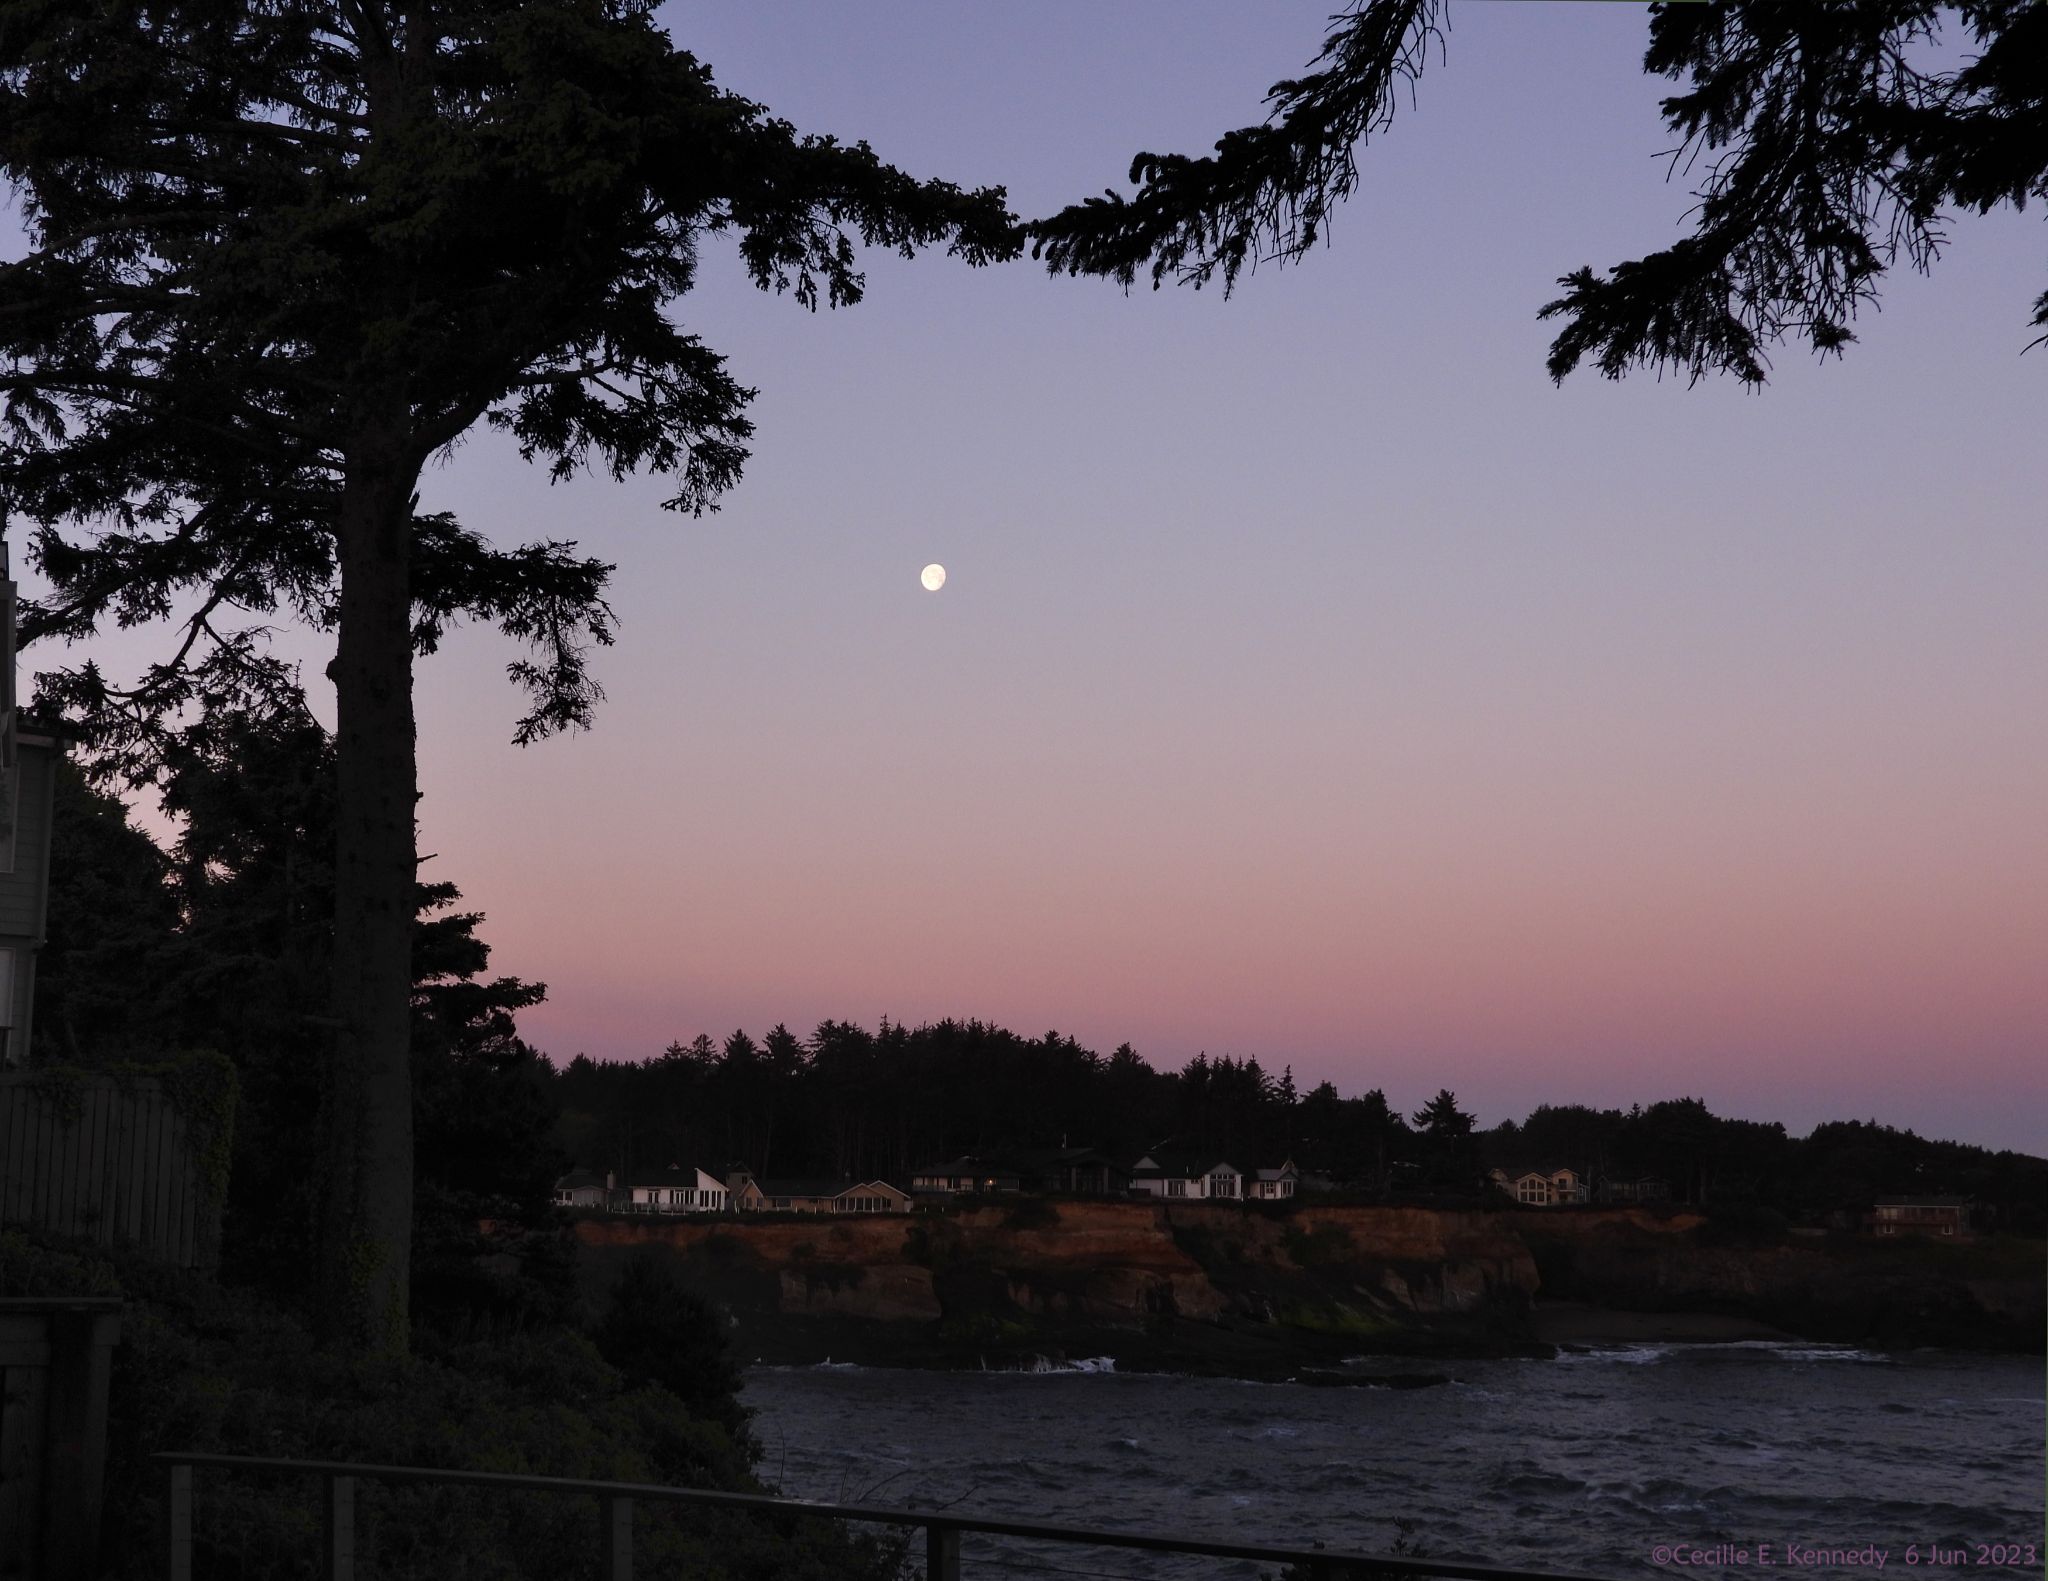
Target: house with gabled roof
[(678, 1189), (1187, 1176), (583, 1188), (1548, 1185), (1071, 1171), (790, 1195), (964, 1175), (1923, 1215)]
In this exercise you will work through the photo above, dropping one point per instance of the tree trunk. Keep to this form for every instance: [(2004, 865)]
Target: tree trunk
[(367, 1210)]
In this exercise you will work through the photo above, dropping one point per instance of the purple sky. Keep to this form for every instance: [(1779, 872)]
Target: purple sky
[(1313, 679)]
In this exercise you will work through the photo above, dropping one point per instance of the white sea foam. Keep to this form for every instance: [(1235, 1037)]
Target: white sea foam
[(1076, 1364)]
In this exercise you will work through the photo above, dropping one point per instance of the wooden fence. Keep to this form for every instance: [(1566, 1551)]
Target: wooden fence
[(107, 1158)]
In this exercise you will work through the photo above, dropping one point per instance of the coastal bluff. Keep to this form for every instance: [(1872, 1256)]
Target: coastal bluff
[(1216, 1287)]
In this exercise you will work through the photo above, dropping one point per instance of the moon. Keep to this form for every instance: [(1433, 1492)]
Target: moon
[(933, 576)]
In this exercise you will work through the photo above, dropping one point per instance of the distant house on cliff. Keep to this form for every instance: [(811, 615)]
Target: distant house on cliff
[(1194, 1177), (1894, 1216), (1069, 1171), (964, 1175), (814, 1196), (1273, 1185), (872, 1196), (1541, 1186), (678, 1190), (1649, 1188), (583, 1188)]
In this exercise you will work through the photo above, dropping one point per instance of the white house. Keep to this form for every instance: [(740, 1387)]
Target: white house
[(1272, 1185), (1193, 1177), (1548, 1186), (679, 1190)]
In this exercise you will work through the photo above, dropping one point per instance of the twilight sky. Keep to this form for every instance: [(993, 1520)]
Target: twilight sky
[(1313, 679)]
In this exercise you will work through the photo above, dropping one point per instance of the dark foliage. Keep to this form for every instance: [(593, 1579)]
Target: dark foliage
[(656, 1331), (214, 1370), (263, 235), (1831, 149), (102, 977), (224, 943)]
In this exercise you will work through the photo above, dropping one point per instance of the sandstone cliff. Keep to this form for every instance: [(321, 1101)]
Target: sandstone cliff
[(1232, 1289)]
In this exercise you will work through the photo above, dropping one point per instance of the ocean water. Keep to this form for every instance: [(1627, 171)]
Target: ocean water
[(1589, 1464)]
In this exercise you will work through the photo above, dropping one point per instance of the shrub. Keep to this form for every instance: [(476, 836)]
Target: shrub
[(223, 1371), (656, 1331)]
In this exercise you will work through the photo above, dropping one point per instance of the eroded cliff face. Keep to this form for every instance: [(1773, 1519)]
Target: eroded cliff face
[(1253, 1291), (1977, 1295), (1035, 1275)]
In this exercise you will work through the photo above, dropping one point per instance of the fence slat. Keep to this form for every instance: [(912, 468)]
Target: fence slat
[(617, 1512), (941, 1553), (338, 1556), (178, 1525)]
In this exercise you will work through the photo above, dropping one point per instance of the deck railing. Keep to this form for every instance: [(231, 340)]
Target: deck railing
[(943, 1530)]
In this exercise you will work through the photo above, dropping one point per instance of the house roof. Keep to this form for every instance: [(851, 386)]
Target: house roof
[(579, 1180), (814, 1186), (673, 1176), (1522, 1168), (1042, 1158), (1168, 1165)]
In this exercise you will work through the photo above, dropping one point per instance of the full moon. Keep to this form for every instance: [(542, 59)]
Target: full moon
[(933, 577)]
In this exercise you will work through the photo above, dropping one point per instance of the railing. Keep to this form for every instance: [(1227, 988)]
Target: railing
[(942, 1529)]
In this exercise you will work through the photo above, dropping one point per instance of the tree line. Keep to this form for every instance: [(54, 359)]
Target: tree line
[(846, 1102)]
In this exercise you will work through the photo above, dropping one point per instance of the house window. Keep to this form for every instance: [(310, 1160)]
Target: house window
[(1176, 1188)]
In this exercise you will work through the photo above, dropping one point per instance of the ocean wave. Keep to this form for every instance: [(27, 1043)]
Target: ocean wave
[(1642, 1353), (1634, 1354)]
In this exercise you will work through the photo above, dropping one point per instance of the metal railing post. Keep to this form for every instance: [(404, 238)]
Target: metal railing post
[(616, 1513), (941, 1552), (338, 1561), (178, 1525)]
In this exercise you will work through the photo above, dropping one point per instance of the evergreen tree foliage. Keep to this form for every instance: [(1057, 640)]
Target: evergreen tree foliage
[(224, 943), (281, 255), (1832, 145), (931, 1093), (102, 973), (654, 1330)]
